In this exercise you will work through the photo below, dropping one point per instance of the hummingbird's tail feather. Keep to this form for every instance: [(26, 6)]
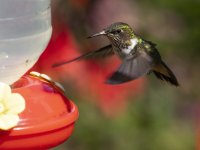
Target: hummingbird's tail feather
[(100, 53), (163, 72)]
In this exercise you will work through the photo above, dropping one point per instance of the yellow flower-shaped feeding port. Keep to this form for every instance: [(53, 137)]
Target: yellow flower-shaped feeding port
[(11, 104)]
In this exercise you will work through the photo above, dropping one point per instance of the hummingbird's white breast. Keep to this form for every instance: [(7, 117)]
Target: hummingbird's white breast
[(127, 50)]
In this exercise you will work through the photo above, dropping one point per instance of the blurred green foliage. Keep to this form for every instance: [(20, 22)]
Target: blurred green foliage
[(189, 12)]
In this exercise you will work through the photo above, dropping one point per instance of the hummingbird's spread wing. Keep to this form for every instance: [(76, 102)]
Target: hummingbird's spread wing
[(131, 69), (100, 53)]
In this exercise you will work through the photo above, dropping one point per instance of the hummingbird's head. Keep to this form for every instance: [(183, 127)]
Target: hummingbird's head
[(117, 33)]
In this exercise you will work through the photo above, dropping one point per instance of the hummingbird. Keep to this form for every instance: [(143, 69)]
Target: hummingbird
[(138, 56)]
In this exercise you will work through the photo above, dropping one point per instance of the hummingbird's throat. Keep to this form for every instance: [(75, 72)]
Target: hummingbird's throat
[(133, 42)]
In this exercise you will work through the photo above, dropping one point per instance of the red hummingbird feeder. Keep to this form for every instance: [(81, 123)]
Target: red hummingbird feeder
[(48, 119)]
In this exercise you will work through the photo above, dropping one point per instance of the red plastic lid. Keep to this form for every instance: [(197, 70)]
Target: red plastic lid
[(46, 107)]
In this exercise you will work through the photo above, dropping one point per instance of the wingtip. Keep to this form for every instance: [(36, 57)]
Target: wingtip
[(118, 78), (55, 65), (59, 64), (88, 37)]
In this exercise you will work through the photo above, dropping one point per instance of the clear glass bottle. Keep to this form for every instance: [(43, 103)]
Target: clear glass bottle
[(25, 30)]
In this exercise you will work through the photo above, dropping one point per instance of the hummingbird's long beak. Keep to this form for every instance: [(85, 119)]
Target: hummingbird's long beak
[(98, 34)]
